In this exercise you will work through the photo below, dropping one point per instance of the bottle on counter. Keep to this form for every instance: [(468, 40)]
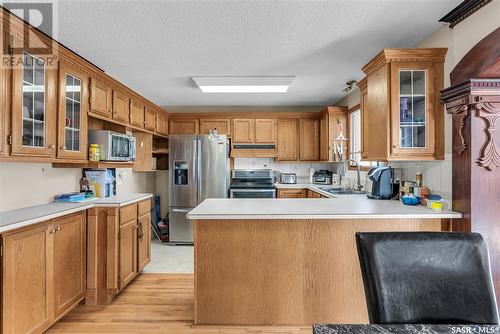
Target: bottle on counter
[(94, 154)]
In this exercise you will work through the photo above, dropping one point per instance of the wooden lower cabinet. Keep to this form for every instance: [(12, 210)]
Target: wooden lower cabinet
[(143, 241), (42, 273), (128, 252), (119, 247), (26, 286), (292, 193)]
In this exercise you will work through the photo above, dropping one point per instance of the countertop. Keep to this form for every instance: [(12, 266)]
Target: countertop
[(404, 329), (31, 215), (333, 207)]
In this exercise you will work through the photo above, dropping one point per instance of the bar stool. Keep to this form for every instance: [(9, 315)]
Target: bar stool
[(427, 278)]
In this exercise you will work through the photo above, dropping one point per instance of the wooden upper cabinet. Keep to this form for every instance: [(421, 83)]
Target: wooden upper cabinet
[(137, 113), (180, 126), (143, 241), (27, 257), (331, 119), (101, 98), (363, 94), (265, 131), (223, 126), (402, 114), (243, 131), (149, 119), (288, 139), (162, 123), (144, 152), (34, 105), (121, 106), (69, 261), (309, 139), (73, 110)]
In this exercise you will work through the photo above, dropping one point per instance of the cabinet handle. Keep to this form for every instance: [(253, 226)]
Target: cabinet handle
[(52, 146), (63, 147), (395, 146), (55, 230)]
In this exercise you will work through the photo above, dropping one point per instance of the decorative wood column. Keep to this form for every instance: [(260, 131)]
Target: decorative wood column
[(475, 109)]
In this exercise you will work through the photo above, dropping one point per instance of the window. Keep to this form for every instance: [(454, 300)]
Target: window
[(355, 138)]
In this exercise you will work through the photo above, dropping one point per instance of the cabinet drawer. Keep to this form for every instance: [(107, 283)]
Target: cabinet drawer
[(292, 193), (128, 213), (143, 207)]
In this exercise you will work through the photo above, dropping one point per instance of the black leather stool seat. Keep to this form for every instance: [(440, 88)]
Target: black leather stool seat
[(427, 278)]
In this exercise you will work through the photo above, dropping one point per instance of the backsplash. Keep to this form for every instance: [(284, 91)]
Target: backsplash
[(299, 168), (436, 174)]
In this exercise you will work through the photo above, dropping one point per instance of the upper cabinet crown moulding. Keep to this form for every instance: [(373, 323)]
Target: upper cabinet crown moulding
[(387, 56)]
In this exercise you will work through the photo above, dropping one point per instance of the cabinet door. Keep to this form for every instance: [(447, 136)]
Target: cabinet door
[(27, 290), (265, 131), (162, 123), (69, 262), (136, 113), (288, 140), (243, 131), (292, 193), (143, 241), (324, 139), (184, 126), (33, 107), (121, 106), (73, 109), (144, 152), (149, 119), (5, 102), (101, 98), (309, 139), (412, 109), (128, 252), (222, 125)]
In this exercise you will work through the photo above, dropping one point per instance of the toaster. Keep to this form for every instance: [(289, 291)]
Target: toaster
[(288, 178)]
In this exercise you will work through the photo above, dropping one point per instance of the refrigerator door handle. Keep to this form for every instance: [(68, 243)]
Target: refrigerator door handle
[(182, 210), (198, 169)]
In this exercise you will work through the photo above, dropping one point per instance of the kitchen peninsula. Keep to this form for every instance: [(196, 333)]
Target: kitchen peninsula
[(290, 261)]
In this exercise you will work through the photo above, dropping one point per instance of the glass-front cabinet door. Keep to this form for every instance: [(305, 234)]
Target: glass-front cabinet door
[(412, 109), (33, 107), (73, 108)]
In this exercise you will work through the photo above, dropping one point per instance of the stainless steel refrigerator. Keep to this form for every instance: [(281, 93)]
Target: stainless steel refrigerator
[(199, 169)]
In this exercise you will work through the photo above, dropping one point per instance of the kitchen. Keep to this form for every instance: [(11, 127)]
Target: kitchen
[(205, 198)]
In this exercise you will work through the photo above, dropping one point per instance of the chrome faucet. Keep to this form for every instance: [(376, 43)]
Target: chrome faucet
[(344, 168)]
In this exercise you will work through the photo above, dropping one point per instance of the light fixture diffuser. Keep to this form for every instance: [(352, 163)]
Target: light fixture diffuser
[(262, 84)]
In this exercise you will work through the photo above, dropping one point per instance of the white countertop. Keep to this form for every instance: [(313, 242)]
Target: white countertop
[(334, 207), (31, 215)]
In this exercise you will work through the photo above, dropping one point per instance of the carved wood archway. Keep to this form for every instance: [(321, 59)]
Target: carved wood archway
[(473, 100)]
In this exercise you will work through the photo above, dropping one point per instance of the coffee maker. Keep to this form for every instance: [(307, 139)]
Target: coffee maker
[(382, 182)]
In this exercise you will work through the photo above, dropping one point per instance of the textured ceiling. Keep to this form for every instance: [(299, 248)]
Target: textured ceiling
[(155, 47)]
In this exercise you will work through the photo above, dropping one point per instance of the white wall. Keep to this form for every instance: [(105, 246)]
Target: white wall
[(28, 184), (459, 40)]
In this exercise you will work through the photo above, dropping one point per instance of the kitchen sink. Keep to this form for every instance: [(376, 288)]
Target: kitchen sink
[(342, 191)]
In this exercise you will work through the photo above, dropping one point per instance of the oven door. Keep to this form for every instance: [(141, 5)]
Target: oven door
[(121, 148), (252, 193)]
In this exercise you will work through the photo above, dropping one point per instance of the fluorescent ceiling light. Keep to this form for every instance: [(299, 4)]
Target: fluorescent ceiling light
[(244, 84)]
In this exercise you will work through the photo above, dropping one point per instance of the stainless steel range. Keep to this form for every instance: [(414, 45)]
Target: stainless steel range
[(252, 183)]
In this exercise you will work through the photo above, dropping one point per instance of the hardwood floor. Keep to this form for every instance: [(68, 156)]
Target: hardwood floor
[(153, 303)]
